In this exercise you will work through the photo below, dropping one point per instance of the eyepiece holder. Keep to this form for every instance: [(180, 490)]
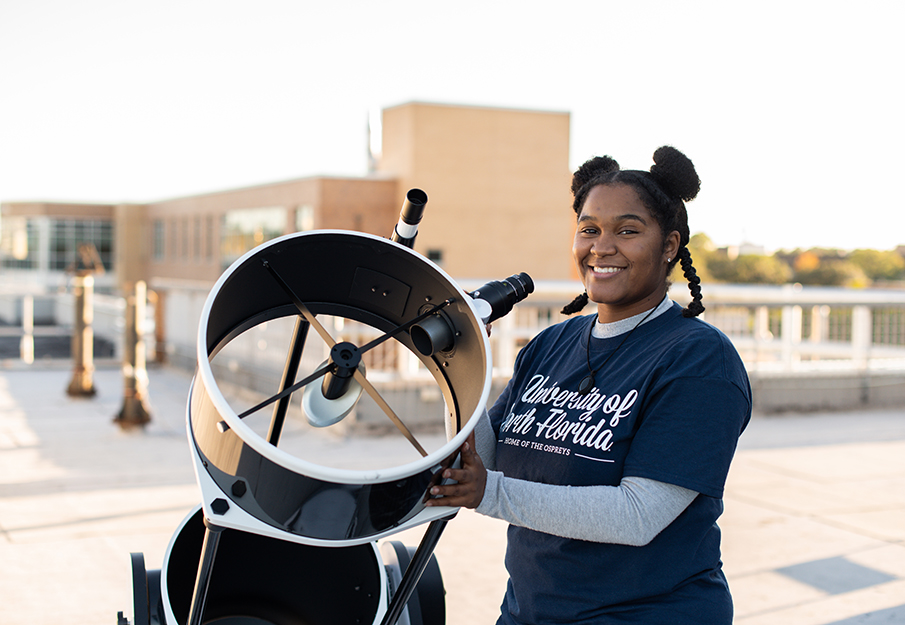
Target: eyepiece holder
[(434, 334)]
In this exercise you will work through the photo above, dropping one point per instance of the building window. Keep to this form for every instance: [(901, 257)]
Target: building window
[(158, 242), (172, 240), (184, 240), (304, 218), (196, 239), (209, 238), (67, 234), (435, 256), (19, 243), (247, 228)]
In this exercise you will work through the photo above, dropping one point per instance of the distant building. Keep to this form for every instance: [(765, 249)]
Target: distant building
[(744, 249), (497, 182), (39, 240)]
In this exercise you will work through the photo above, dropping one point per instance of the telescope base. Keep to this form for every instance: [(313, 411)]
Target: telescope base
[(260, 580)]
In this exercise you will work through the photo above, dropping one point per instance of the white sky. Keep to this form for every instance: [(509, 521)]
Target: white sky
[(792, 111)]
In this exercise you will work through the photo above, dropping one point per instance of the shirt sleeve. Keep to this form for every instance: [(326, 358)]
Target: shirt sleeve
[(689, 435), (485, 442), (632, 513)]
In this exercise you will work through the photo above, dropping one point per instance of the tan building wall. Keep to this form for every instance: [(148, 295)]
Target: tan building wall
[(365, 205), (58, 209), (131, 245), (192, 225), (498, 186)]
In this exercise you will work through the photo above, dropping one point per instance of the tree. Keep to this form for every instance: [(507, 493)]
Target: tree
[(806, 261), (878, 265), (702, 251), (750, 269), (833, 272)]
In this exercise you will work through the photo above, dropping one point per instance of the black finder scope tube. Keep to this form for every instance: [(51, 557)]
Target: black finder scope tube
[(412, 210)]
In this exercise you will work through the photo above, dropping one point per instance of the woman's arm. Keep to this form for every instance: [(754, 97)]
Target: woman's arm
[(632, 513), (485, 442)]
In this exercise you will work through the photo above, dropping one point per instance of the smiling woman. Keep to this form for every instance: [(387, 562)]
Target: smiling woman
[(646, 220), (608, 450), (621, 253)]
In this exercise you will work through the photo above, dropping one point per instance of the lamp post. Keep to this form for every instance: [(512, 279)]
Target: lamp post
[(82, 383), (134, 412), (86, 264)]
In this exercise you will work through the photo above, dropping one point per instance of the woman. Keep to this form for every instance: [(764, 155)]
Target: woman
[(608, 450)]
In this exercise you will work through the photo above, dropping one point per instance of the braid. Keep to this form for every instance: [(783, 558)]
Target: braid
[(695, 307), (576, 304)]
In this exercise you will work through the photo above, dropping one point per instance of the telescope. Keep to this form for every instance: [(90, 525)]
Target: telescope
[(281, 539)]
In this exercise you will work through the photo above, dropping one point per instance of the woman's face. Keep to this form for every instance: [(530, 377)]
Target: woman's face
[(620, 252)]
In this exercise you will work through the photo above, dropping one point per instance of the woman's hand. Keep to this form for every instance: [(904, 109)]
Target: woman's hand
[(468, 491)]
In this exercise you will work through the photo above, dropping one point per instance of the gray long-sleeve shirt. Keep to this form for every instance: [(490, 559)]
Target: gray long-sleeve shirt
[(632, 513)]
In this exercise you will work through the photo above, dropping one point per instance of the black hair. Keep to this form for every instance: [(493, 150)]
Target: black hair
[(671, 181)]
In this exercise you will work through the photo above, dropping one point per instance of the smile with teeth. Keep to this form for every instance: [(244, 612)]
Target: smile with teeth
[(605, 270)]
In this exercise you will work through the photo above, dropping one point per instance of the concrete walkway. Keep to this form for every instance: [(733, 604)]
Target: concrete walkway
[(814, 529)]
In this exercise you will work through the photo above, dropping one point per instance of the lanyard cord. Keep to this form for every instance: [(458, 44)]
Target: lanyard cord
[(587, 383)]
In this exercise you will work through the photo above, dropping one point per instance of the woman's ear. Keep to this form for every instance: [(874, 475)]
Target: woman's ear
[(671, 246)]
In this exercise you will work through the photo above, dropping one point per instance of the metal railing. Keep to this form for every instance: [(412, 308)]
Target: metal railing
[(775, 328), (796, 328)]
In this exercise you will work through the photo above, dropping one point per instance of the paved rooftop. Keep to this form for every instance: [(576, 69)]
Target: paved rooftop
[(814, 529)]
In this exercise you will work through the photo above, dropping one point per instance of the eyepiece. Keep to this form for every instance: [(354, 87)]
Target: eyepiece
[(502, 295)]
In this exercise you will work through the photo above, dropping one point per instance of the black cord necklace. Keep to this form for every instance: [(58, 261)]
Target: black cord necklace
[(587, 383)]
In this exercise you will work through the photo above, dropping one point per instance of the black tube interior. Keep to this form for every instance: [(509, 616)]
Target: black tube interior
[(257, 579)]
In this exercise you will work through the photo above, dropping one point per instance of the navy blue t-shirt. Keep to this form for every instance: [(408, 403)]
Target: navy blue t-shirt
[(669, 405)]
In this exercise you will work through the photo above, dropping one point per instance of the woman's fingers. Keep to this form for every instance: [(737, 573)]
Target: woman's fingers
[(467, 491)]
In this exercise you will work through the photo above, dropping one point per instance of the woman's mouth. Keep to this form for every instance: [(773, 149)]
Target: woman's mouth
[(604, 271)]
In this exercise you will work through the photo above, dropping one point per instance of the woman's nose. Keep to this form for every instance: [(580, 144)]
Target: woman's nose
[(603, 246)]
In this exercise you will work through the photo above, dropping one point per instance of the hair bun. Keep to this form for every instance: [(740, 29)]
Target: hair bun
[(595, 166), (675, 173)]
